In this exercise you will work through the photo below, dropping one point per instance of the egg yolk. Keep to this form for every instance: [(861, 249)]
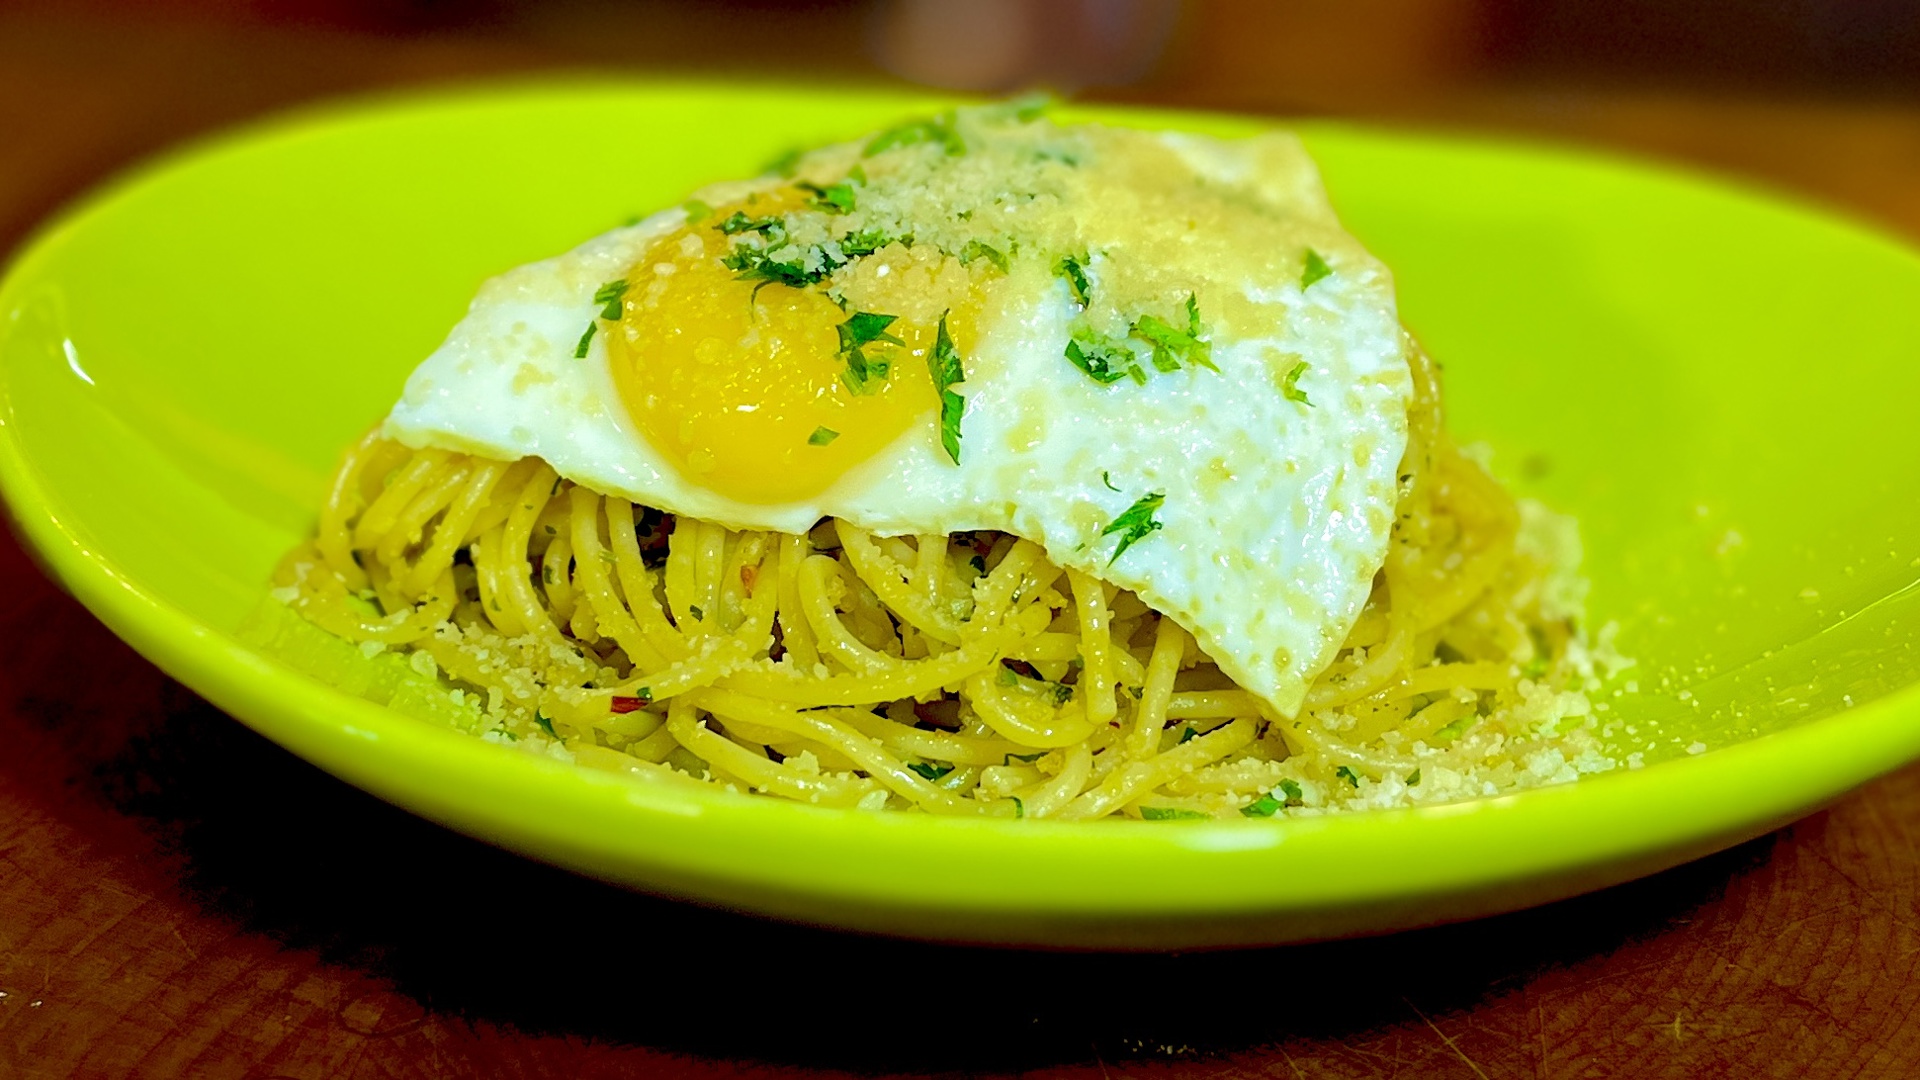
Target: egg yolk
[(743, 385)]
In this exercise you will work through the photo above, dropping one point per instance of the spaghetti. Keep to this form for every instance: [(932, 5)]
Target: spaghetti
[(962, 674)]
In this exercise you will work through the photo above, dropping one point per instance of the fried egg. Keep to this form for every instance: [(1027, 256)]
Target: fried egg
[(1157, 355)]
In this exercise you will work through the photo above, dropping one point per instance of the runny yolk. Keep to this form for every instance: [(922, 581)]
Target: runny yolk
[(741, 389)]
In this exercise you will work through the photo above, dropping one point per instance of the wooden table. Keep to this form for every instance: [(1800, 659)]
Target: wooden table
[(179, 897)]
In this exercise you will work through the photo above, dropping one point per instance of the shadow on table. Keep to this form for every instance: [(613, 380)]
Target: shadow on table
[(285, 850)]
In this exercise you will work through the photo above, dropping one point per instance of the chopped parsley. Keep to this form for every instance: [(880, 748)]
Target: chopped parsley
[(1290, 386), (1188, 735), (867, 241), (757, 264), (941, 129), (1171, 345), (1028, 758), (1171, 813), (546, 725), (864, 373), (697, 211), (609, 298), (822, 436), (1267, 805), (1019, 807), (694, 610), (979, 564), (1029, 107), (1135, 523), (1264, 806), (1317, 268), (943, 363), (1107, 479), (1413, 778), (739, 223), (977, 250), (1103, 359), (783, 165), (930, 770), (834, 198), (1060, 692), (1074, 269), (1348, 775)]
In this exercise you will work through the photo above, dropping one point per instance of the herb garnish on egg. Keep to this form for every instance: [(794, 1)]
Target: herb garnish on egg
[(1317, 269), (862, 329), (608, 297), (944, 363), (1135, 523)]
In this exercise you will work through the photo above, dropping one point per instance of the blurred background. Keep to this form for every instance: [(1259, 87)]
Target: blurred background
[(1818, 96)]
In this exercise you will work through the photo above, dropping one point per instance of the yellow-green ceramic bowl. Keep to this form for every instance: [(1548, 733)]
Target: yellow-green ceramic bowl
[(1721, 386)]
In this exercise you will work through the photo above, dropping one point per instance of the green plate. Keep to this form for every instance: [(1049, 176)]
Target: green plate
[(1720, 385)]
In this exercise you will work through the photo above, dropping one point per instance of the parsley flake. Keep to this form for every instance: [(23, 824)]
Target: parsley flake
[(977, 250), (1413, 778), (1264, 806), (863, 328), (697, 211), (1107, 479), (738, 222), (1019, 807), (1171, 345), (1103, 359), (867, 241), (609, 297), (695, 611), (1290, 386), (822, 436), (783, 165), (1074, 269), (1348, 775), (939, 130), (929, 770), (1171, 813), (546, 725), (1029, 107), (834, 198), (1188, 735), (1135, 523), (943, 363), (1316, 269), (1028, 758), (1291, 790)]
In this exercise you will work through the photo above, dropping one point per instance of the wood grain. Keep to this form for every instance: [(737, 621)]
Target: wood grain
[(180, 898)]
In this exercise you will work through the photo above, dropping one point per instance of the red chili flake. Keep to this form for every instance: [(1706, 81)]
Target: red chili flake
[(748, 574), (621, 704)]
